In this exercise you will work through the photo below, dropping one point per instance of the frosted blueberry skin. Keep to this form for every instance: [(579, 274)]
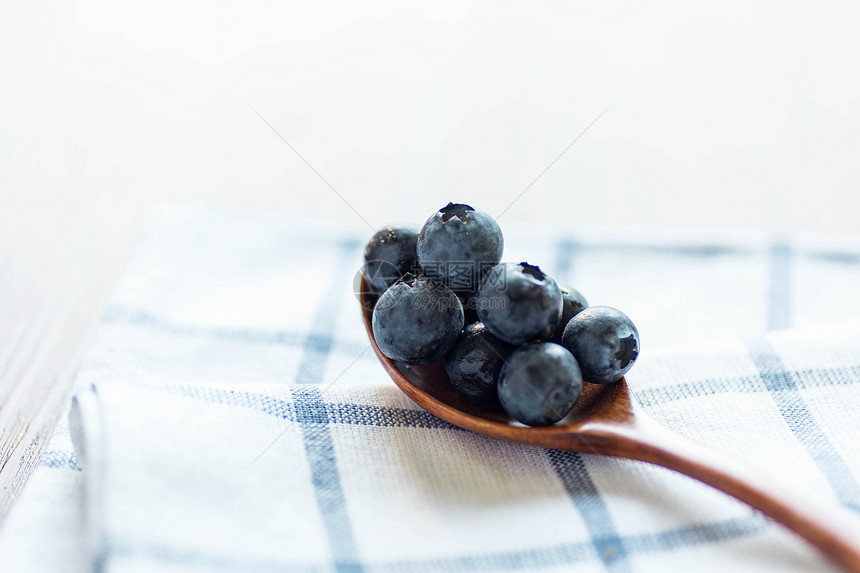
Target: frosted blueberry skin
[(540, 383), (518, 303), (604, 341), (572, 303), (417, 320), (458, 244), (391, 253), (474, 364)]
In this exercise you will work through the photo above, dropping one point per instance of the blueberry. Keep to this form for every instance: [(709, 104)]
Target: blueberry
[(604, 341), (417, 320), (458, 244), (519, 303), (391, 253), (473, 365), (572, 303), (540, 383)]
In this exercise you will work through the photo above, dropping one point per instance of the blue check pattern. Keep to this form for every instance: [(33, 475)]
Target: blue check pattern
[(145, 342), (316, 416)]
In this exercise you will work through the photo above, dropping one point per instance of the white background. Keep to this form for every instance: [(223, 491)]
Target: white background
[(725, 114)]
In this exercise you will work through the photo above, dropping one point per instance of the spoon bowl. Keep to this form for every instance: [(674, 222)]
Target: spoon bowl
[(606, 420)]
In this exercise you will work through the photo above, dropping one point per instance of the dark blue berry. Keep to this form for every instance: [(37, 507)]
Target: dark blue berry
[(519, 303), (391, 253), (604, 341), (540, 383), (458, 244), (473, 365), (417, 320), (572, 303)]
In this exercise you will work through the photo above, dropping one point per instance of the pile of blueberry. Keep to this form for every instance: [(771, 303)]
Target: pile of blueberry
[(510, 336)]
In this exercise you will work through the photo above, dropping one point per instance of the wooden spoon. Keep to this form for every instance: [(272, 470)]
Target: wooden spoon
[(606, 421)]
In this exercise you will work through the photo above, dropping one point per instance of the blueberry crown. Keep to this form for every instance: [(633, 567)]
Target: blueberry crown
[(454, 210), (408, 278), (533, 271)]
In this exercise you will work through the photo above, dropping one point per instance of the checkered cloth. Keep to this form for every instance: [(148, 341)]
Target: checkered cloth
[(232, 416)]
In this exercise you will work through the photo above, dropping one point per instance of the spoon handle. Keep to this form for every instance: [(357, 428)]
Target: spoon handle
[(826, 526)]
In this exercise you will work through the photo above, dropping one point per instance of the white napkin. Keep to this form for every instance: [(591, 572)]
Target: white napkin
[(182, 477), (224, 300)]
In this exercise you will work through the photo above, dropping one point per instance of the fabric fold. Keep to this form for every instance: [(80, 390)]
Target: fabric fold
[(87, 431)]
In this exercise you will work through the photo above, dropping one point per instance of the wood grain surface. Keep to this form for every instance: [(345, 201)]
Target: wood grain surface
[(56, 270)]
